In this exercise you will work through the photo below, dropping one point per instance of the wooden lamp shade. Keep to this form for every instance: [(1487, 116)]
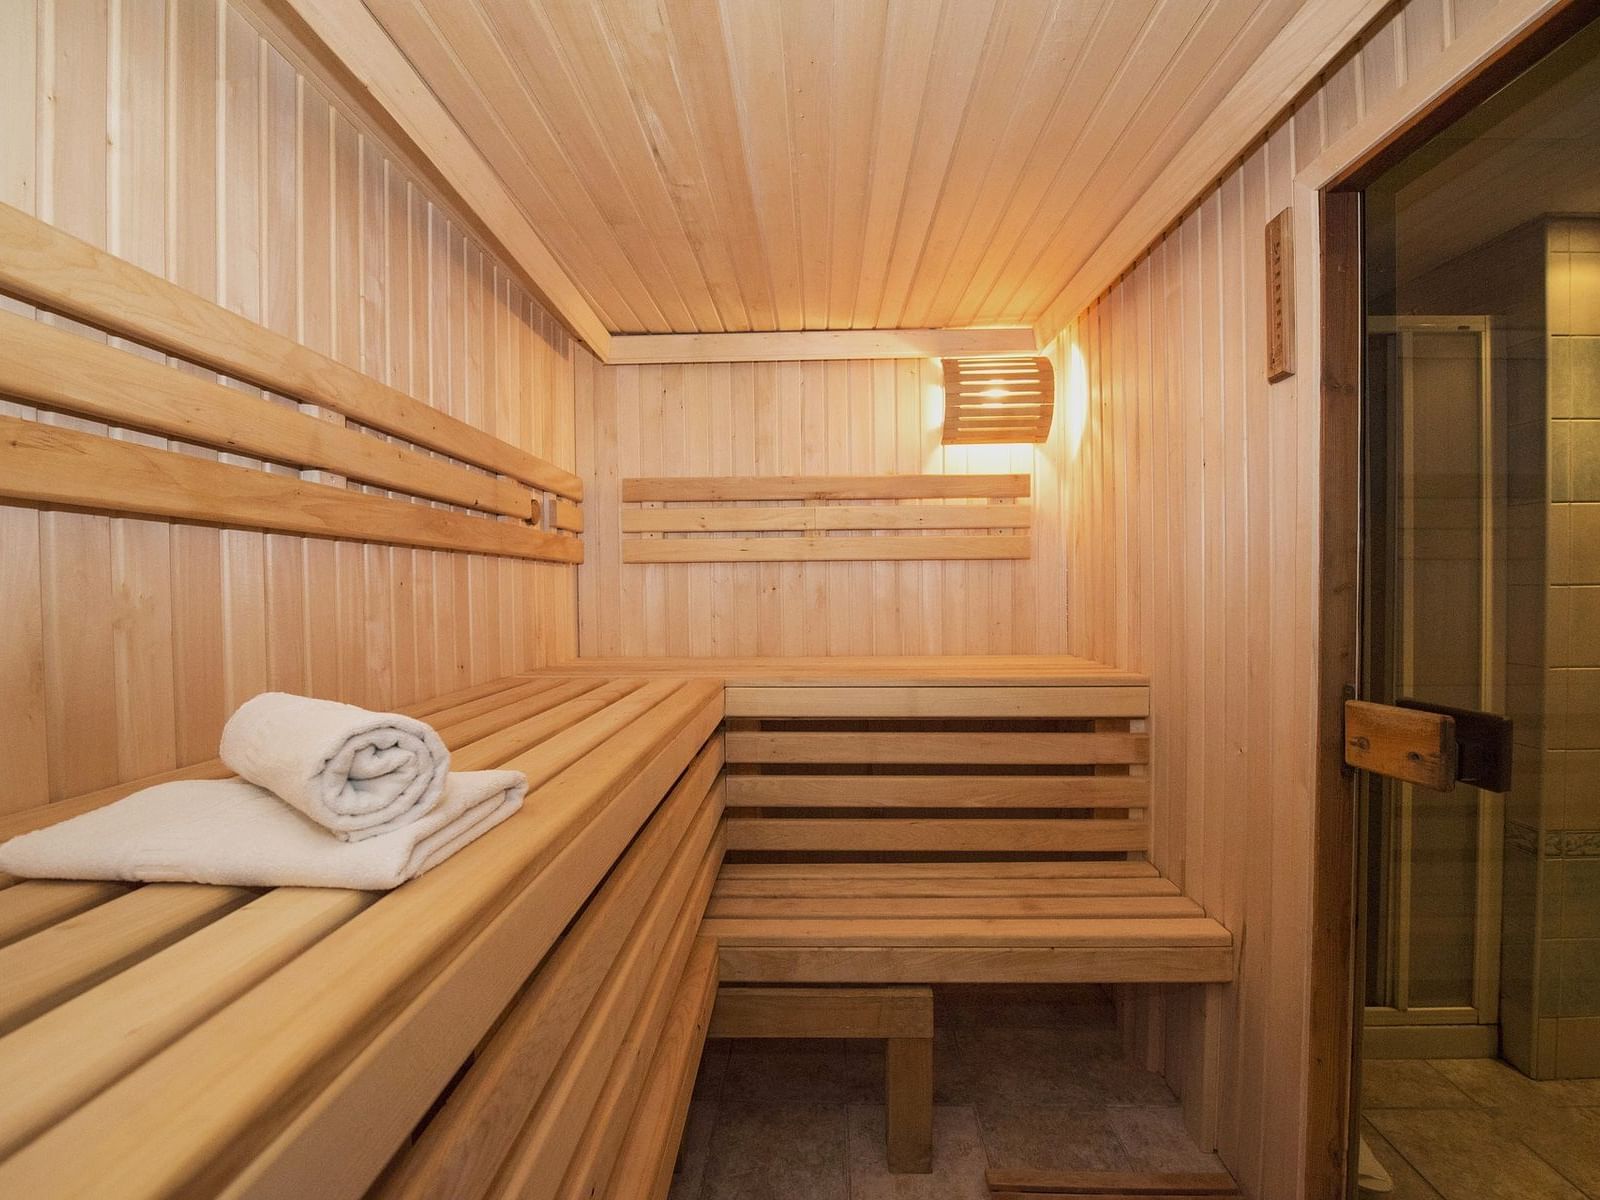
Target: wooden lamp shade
[(989, 400)]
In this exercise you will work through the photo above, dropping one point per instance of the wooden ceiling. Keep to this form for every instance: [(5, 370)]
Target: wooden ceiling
[(731, 165)]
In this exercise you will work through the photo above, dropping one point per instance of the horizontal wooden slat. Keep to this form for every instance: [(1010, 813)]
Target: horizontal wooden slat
[(824, 487), (938, 791), (48, 267), (54, 465), (67, 958), (85, 1044), (1104, 933), (986, 702), (555, 1131), (824, 549), (565, 515), (644, 1164), (62, 370), (976, 964), (933, 834), (462, 1147), (837, 517), (34, 904), (846, 670), (872, 909), (854, 1012), (803, 891), (1032, 749), (870, 871)]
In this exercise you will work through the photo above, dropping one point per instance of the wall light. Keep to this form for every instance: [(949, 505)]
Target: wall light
[(989, 400)]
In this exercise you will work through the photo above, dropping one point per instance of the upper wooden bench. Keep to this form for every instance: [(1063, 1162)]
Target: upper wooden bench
[(524, 1019), (927, 820)]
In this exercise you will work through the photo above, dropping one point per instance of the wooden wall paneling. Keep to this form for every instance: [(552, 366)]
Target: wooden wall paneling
[(175, 138), (22, 676), (1219, 529), (142, 639)]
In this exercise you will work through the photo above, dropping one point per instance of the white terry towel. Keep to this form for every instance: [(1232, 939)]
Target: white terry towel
[(229, 831), (362, 774)]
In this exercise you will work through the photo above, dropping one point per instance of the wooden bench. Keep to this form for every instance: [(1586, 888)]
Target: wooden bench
[(894, 822), (526, 1017), (930, 834)]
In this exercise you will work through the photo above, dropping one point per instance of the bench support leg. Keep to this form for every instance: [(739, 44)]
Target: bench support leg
[(909, 1087)]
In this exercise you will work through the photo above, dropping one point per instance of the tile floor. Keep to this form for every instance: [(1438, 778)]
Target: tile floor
[(1023, 1077), (1477, 1129)]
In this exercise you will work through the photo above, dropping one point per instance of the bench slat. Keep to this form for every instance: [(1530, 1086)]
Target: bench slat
[(651, 1144), (975, 964), (1031, 749), (66, 958), (556, 1130), (85, 1044), (891, 701), (939, 870), (460, 1150), (864, 1012), (34, 904), (938, 791), (989, 931), (803, 891), (934, 834), (872, 909)]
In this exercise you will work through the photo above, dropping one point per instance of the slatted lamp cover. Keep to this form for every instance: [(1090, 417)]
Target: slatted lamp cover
[(992, 400)]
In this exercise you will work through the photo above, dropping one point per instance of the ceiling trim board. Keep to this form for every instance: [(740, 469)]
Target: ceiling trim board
[(811, 345), (1313, 38), (352, 35)]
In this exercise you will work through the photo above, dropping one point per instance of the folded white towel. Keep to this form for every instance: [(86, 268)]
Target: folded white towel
[(229, 831), (361, 774)]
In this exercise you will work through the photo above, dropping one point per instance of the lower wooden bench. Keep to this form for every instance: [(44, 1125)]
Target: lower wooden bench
[(1110, 1185), (901, 1016), (524, 1019)]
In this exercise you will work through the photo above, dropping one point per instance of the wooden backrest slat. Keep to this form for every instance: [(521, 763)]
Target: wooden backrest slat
[(988, 703), (45, 266), (49, 966), (826, 549), (843, 517), (1038, 749), (938, 791), (824, 487), (56, 466), (61, 370)]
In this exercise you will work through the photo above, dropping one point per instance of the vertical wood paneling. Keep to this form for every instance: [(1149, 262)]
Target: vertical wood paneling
[(177, 137), (1191, 549), (861, 417)]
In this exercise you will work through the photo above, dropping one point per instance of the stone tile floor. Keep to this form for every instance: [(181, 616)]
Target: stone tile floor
[(1477, 1129), (1023, 1077)]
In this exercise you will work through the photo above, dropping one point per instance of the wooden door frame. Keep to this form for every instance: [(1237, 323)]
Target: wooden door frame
[(1333, 1038)]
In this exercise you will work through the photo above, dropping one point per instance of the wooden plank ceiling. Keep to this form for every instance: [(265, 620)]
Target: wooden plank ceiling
[(733, 165)]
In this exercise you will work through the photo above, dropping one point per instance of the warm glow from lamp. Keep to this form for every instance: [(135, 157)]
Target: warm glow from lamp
[(1076, 401)]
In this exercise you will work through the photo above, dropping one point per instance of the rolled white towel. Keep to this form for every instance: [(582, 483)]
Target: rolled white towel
[(232, 832), (361, 774)]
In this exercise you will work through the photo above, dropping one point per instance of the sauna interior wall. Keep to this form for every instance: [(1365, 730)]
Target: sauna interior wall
[(811, 418), (177, 137), (1191, 554)]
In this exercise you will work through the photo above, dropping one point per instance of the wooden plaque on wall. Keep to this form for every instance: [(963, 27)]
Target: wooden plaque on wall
[(1280, 296)]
